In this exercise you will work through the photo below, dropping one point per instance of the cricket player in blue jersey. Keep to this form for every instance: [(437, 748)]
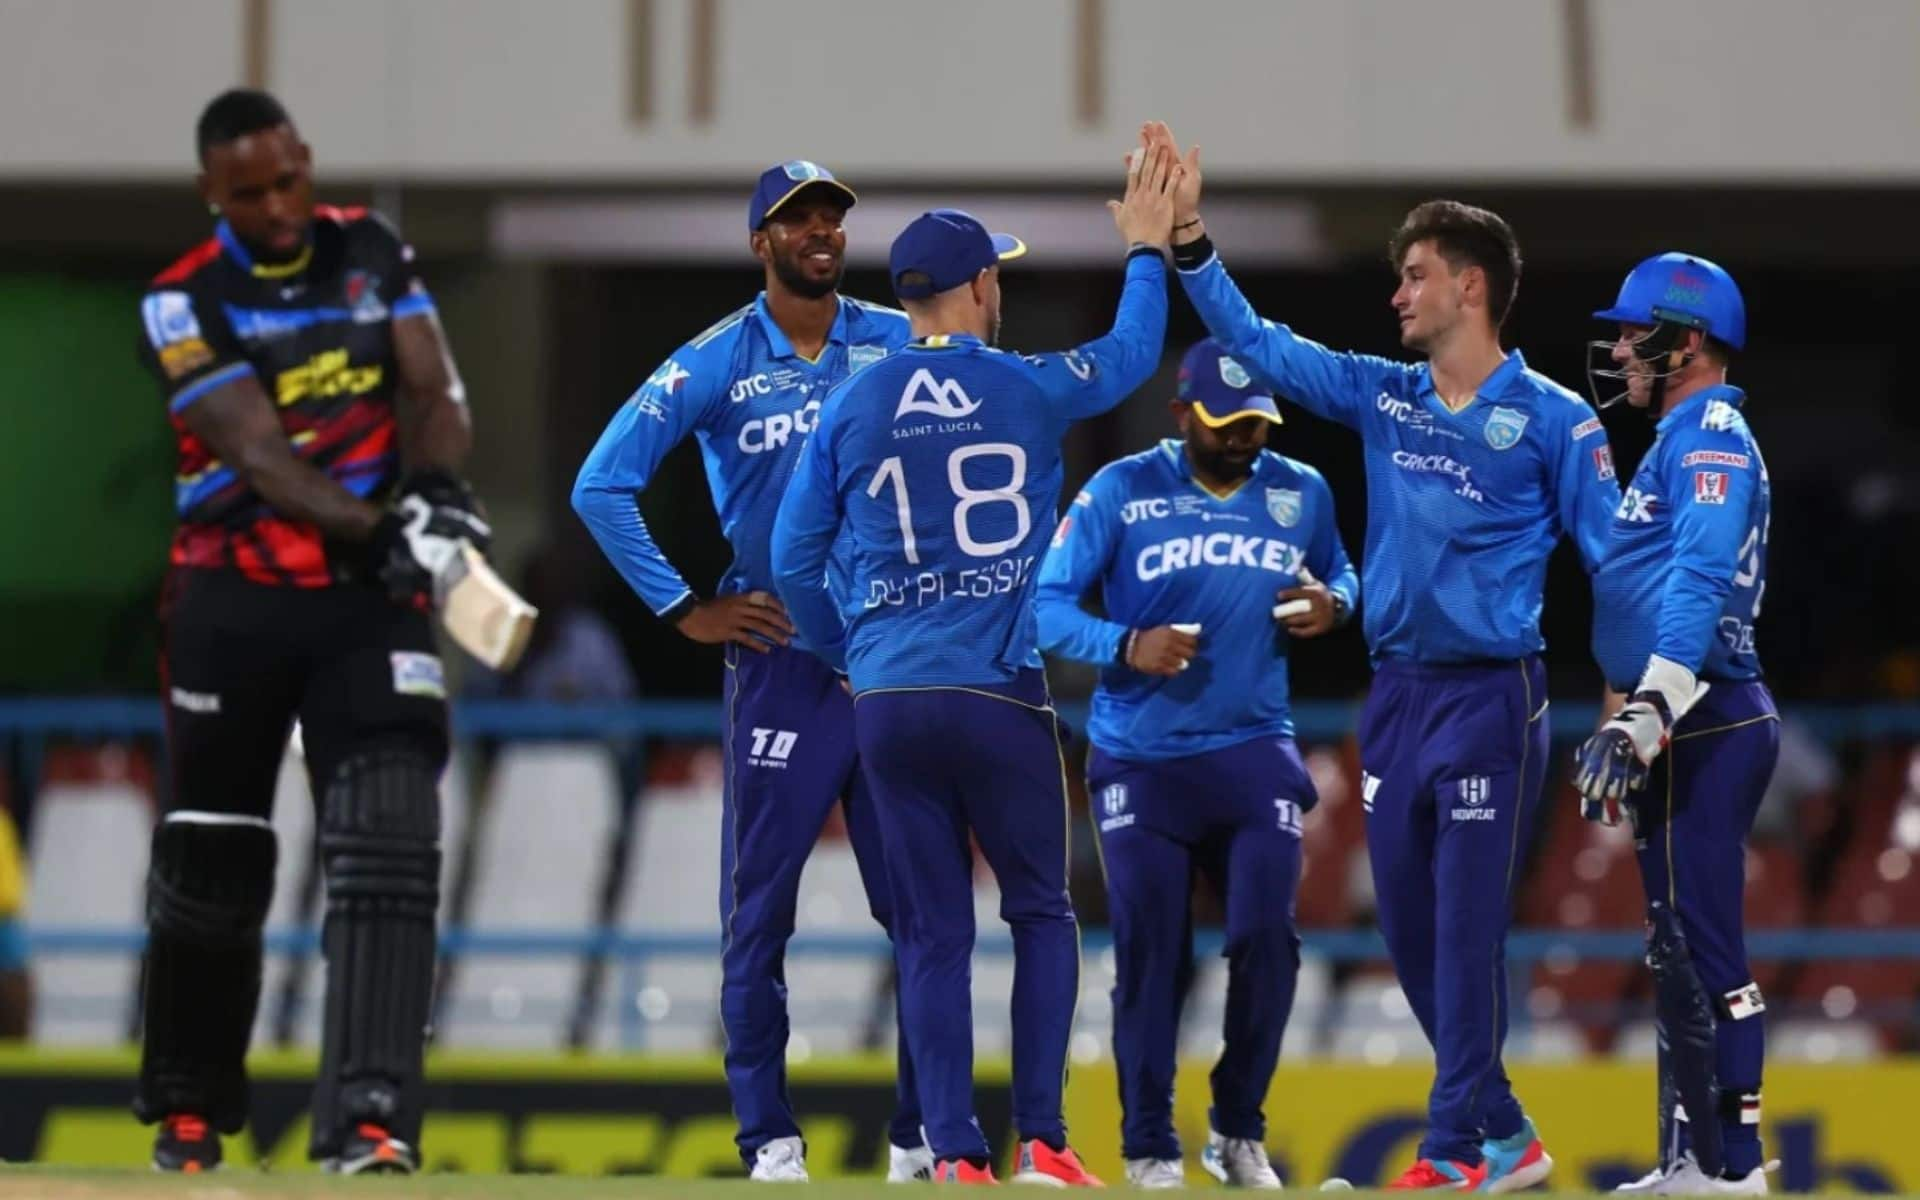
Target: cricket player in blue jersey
[(750, 389), (1688, 756), (1209, 553), (942, 466), (1476, 467)]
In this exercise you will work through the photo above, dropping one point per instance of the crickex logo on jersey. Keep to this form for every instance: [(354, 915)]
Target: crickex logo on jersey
[(1218, 550), (772, 432), (1636, 506)]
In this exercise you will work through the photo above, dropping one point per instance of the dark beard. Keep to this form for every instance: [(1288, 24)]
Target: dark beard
[(1222, 467), (796, 280)]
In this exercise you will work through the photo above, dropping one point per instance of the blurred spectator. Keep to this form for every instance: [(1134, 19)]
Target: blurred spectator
[(574, 656), (1807, 771)]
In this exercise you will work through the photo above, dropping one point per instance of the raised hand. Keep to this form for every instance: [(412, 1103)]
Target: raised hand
[(1145, 215)]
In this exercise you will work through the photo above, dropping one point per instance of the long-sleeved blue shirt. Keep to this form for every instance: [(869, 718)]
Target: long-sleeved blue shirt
[(751, 400), (1686, 561), (1166, 551), (943, 463), (1463, 508)]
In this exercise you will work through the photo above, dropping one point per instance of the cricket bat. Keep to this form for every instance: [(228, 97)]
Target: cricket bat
[(487, 618)]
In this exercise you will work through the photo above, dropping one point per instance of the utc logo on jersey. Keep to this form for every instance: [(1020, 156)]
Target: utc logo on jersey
[(1504, 427), (945, 398), (1283, 504)]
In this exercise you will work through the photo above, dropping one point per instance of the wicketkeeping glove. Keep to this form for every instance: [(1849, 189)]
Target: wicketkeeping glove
[(1618, 758)]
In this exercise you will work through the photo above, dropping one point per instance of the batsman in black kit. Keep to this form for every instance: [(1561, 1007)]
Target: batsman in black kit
[(321, 423)]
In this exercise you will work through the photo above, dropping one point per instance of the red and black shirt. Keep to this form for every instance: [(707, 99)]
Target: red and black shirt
[(318, 335)]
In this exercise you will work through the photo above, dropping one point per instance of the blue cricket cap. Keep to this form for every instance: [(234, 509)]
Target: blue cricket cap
[(949, 247), (1687, 290), (782, 183), (1220, 389)]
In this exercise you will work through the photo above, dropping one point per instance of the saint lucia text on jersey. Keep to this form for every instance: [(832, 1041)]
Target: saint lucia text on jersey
[(931, 587)]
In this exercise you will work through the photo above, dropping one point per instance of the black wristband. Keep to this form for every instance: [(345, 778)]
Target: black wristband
[(1192, 254), (1125, 656), (1188, 224), (679, 608), (1138, 248)]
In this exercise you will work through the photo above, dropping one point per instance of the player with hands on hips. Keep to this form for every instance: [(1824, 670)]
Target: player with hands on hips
[(1194, 546)]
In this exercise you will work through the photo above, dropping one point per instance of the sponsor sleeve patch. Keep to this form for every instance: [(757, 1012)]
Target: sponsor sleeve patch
[(1716, 458), (418, 674), (1586, 428), (1709, 487), (1603, 462)]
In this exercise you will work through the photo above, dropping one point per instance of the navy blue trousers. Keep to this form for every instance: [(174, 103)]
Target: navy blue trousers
[(1233, 815), (1452, 759), (1692, 824), (944, 764), (790, 759)]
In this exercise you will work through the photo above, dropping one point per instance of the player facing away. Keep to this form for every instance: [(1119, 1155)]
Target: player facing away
[(1476, 466), (750, 389), (1689, 755), (1198, 547), (942, 467), (321, 423)]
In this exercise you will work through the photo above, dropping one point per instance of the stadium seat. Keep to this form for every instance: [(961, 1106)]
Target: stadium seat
[(540, 853), (1375, 1024), (670, 1003), (1876, 886), (107, 824), (1822, 1041), (1776, 898), (832, 999)]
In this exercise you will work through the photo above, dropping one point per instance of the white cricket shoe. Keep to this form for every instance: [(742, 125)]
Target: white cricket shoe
[(909, 1166), (1685, 1178), (782, 1160), (1156, 1174), (1648, 1184), (1239, 1162)]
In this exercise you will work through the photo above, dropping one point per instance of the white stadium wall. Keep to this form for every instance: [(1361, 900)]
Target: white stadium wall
[(1277, 90)]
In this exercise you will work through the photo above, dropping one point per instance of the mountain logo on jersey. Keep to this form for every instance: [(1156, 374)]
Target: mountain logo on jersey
[(945, 398), (1283, 504), (1504, 427), (1235, 376)]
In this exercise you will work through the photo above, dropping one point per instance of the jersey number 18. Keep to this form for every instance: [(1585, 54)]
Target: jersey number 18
[(893, 471)]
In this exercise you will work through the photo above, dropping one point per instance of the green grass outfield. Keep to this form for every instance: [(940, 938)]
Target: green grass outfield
[(53, 1183)]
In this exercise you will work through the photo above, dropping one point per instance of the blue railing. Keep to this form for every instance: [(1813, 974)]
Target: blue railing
[(1315, 720)]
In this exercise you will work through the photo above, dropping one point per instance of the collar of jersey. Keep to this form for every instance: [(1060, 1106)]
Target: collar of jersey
[(1493, 387), (944, 341), (1691, 406), (230, 242), (777, 341)]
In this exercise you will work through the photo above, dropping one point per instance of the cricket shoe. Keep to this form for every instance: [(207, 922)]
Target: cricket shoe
[(1428, 1175), (1239, 1162), (1156, 1174), (1515, 1162), (782, 1160), (1685, 1178), (959, 1170), (909, 1166), (1042, 1164), (371, 1150), (186, 1145)]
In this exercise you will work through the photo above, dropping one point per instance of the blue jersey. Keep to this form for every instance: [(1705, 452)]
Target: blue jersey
[(1463, 508), (1686, 563), (751, 400), (944, 463), (1167, 551)]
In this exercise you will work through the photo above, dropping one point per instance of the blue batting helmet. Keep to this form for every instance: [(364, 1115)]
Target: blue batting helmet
[(1686, 290)]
